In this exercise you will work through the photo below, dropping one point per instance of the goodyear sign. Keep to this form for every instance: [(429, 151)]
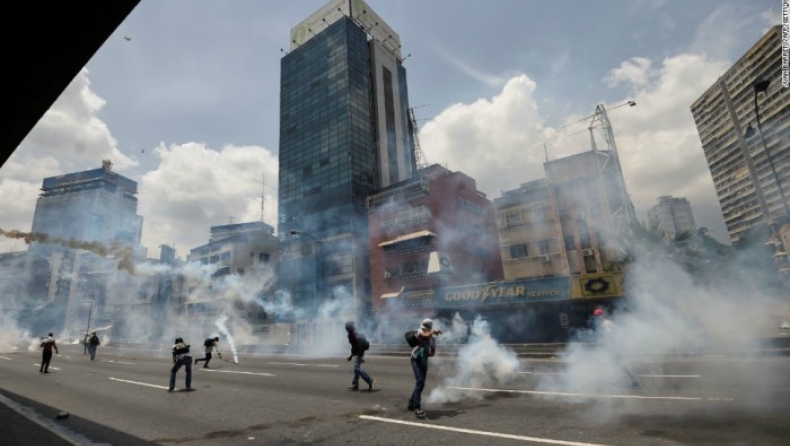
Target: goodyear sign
[(537, 290)]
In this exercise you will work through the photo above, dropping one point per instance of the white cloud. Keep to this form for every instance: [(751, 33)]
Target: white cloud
[(723, 33), (195, 187), (498, 141), (635, 71)]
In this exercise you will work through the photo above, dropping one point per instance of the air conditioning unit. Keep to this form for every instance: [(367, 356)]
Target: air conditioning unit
[(546, 257), (587, 252), (439, 262), (387, 274)]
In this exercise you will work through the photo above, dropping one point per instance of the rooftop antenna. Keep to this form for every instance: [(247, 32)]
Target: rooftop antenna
[(545, 151), (263, 193)]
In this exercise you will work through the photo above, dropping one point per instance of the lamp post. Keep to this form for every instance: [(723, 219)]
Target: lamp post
[(760, 87), (90, 312)]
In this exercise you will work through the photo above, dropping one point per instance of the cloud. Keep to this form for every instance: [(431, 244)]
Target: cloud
[(725, 33), (498, 141), (473, 72), (195, 187)]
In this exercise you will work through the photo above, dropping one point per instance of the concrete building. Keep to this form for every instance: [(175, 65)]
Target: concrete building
[(672, 216), (84, 222), (432, 231), (12, 268), (751, 174), (344, 133), (568, 223)]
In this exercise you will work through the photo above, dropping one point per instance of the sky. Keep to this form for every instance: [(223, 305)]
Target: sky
[(184, 99)]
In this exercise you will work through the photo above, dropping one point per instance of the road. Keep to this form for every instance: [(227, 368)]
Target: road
[(121, 399)]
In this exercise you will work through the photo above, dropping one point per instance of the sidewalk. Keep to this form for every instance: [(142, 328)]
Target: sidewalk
[(23, 426)]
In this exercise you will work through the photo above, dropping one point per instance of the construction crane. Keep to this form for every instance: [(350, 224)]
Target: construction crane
[(419, 158)]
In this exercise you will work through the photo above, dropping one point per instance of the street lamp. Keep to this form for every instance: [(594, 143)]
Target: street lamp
[(90, 311), (760, 87)]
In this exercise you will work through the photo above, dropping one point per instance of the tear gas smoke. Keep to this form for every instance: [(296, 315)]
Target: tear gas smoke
[(123, 253), (223, 329), (481, 362)]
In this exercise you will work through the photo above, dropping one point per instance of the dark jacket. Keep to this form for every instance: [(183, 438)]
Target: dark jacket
[(94, 341), (356, 348)]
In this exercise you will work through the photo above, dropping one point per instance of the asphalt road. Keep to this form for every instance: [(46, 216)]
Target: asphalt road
[(121, 399)]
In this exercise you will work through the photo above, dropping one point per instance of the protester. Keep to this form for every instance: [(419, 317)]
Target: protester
[(209, 345), (47, 344), (605, 329), (419, 364), (85, 343), (358, 346), (181, 357), (93, 343)]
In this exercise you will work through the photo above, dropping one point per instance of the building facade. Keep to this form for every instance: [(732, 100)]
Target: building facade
[(568, 223), (672, 216), (344, 133), (81, 220), (748, 155), (433, 231)]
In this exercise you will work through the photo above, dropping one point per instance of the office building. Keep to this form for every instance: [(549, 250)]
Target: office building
[(84, 224), (749, 158), (672, 216), (344, 133)]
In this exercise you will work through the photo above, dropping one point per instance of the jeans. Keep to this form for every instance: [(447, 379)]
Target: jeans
[(207, 359), (92, 351), (359, 372), (185, 361), (420, 369), (47, 356)]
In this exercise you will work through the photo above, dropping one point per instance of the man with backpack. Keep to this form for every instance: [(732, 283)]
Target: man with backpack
[(93, 342), (209, 345), (425, 347), (181, 357), (359, 344)]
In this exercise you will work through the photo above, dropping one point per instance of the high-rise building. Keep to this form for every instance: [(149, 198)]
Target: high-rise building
[(672, 216), (344, 133), (85, 226), (744, 125)]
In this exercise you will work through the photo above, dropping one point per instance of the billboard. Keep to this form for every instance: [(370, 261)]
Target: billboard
[(318, 21), (375, 26)]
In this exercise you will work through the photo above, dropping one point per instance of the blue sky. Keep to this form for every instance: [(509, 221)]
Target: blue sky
[(188, 107)]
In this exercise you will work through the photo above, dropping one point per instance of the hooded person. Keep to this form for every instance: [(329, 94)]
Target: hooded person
[(181, 358), (425, 349), (358, 344)]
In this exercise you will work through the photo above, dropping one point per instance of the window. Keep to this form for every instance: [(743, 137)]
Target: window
[(263, 257), (544, 246), (513, 218), (518, 251)]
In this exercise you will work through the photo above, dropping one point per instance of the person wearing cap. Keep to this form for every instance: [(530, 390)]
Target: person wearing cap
[(358, 350), (48, 344), (419, 364), (181, 357), (93, 343), (605, 329)]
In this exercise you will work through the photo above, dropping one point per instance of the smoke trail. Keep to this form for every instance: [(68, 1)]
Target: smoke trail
[(482, 362), (223, 329), (124, 253)]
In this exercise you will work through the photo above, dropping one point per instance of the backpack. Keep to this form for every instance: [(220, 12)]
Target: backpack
[(180, 348), (94, 340), (411, 338), (364, 344), (208, 342)]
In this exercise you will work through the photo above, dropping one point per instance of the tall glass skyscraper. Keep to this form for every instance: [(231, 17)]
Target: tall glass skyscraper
[(344, 133)]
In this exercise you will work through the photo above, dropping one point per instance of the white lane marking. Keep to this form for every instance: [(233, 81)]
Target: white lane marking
[(302, 365), (7, 359), (594, 395), (580, 374), (119, 362), (139, 383), (237, 371), (50, 367), (476, 432)]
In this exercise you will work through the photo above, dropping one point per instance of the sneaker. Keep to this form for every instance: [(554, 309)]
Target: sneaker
[(419, 413), (353, 389), (370, 385)]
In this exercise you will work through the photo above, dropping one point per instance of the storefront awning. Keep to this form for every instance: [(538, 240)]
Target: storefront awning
[(390, 295), (411, 236)]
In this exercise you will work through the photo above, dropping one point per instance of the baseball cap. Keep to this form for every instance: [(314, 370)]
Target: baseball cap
[(427, 323), (598, 312)]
